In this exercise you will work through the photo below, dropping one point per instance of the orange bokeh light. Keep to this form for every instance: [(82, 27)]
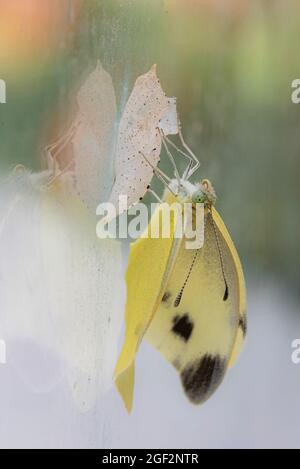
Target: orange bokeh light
[(29, 27)]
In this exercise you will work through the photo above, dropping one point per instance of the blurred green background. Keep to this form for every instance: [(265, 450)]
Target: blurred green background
[(230, 64)]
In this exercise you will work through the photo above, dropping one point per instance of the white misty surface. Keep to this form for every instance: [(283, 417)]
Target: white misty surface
[(257, 405), (58, 315)]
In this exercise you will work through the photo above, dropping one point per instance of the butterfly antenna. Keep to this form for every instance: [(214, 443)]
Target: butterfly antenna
[(179, 296), (226, 293), (158, 173), (54, 149)]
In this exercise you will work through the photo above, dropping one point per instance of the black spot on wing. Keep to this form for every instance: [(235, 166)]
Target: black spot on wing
[(243, 325), (166, 297), (202, 377), (183, 327)]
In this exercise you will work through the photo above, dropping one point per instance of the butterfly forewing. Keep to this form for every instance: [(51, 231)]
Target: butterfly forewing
[(196, 333)]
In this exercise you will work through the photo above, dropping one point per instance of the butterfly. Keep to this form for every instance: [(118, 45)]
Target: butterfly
[(189, 304)]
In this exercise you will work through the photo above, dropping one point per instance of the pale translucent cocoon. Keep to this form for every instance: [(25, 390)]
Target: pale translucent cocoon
[(139, 138), (91, 165), (93, 140), (61, 287)]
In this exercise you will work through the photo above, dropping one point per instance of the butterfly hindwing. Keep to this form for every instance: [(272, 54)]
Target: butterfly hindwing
[(150, 263)]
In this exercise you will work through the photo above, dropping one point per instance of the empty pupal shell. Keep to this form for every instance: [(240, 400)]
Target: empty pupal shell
[(148, 114)]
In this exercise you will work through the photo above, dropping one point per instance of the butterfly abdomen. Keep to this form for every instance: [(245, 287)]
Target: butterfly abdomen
[(202, 377)]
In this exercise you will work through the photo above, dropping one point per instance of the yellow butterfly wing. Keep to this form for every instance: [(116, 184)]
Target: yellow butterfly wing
[(242, 329), (150, 263), (202, 334)]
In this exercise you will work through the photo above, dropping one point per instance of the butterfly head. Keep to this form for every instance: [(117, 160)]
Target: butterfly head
[(204, 194), (200, 193)]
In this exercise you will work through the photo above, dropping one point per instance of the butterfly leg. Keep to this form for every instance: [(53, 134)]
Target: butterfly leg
[(54, 149), (190, 170), (176, 172), (186, 155)]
